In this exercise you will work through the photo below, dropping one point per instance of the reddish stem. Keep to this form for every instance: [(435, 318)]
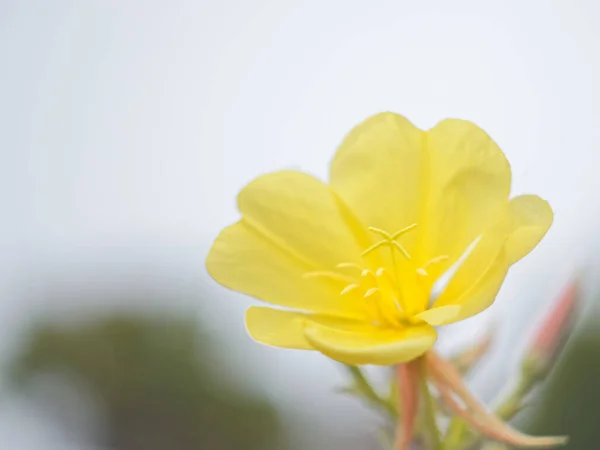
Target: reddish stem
[(408, 383)]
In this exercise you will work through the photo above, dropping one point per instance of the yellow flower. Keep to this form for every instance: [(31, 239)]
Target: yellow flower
[(358, 263)]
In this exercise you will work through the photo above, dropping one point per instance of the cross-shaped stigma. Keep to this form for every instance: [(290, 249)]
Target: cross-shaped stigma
[(389, 240)]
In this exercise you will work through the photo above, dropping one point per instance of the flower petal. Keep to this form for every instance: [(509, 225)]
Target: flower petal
[(532, 217), (302, 216), (482, 295), (379, 347), (477, 281), (452, 181), (376, 171), (286, 328), (244, 260), (440, 315), (468, 185)]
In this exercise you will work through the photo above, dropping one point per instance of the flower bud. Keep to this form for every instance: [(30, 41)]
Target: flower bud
[(552, 333)]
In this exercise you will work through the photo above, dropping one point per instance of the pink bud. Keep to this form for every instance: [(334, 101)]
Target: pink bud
[(554, 330)]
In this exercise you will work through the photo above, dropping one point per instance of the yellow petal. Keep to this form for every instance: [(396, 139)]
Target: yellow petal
[(301, 215), (286, 328), (440, 315), (483, 293), (452, 181), (376, 172), (244, 260), (478, 280), (532, 217), (379, 347), (468, 186), (478, 263)]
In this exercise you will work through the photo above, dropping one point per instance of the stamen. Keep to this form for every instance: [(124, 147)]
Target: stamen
[(383, 272), (380, 288), (330, 275), (371, 292), (366, 272), (435, 260), (422, 270), (349, 288), (348, 266), (398, 305)]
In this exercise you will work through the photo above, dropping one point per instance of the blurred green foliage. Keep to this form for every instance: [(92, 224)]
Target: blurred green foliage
[(570, 403), (158, 382)]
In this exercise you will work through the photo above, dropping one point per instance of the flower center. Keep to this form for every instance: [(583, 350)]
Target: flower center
[(386, 292)]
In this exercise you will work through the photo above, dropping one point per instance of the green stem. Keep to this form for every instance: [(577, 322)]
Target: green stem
[(514, 402), (430, 411), (454, 436), (368, 393)]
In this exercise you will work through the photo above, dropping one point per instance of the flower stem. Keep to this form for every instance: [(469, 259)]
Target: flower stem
[(408, 390), (454, 436), (366, 391), (513, 404), (429, 409), (459, 435)]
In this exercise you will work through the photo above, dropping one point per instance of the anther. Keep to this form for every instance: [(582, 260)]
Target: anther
[(382, 271), (366, 273), (437, 259), (330, 275), (349, 288), (348, 266), (423, 270), (371, 292)]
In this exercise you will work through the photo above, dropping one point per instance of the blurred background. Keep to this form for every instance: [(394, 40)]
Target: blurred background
[(127, 129)]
